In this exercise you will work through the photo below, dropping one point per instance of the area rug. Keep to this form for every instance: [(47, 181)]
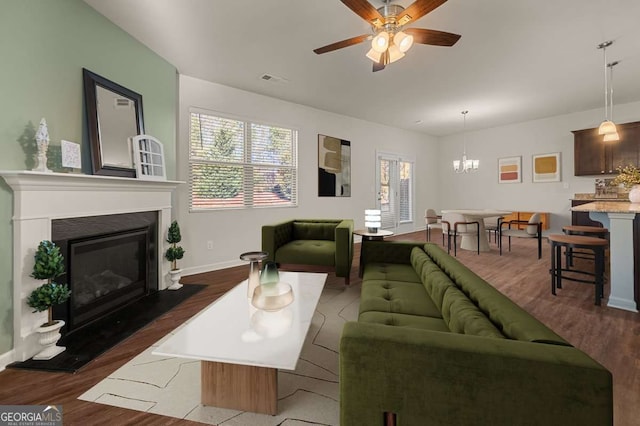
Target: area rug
[(308, 395)]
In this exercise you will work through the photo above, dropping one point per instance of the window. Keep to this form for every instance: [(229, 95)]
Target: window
[(405, 191), (240, 164), (395, 189)]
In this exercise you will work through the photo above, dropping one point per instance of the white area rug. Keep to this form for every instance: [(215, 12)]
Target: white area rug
[(308, 395)]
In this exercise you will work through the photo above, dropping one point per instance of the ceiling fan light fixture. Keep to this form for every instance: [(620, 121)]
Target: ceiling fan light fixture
[(394, 53), (611, 137), (403, 40), (374, 56), (380, 42), (607, 127)]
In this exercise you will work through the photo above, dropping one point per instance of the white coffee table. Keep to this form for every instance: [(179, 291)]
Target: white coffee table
[(242, 348)]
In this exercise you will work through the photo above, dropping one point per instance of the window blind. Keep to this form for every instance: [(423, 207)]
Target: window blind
[(240, 164)]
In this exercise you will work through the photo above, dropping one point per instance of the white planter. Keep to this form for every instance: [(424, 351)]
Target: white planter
[(175, 276), (634, 194), (49, 335)]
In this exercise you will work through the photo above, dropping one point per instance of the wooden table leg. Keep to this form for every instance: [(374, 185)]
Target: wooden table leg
[(239, 387)]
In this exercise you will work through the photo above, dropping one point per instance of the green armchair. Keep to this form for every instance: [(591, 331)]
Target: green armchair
[(311, 244)]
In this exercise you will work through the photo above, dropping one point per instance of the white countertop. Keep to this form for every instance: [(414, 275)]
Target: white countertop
[(608, 207), (231, 330)]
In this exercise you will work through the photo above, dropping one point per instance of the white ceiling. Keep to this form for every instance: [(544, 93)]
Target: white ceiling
[(517, 60)]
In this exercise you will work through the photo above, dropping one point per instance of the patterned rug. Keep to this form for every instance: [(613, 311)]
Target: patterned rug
[(307, 395)]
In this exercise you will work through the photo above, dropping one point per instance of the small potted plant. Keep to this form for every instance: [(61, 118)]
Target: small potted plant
[(49, 264), (629, 177), (173, 254)]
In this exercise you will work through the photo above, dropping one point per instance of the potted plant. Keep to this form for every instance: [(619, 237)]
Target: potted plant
[(174, 253), (629, 177), (49, 264)]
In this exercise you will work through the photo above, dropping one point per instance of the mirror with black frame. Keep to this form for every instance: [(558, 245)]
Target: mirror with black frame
[(114, 114)]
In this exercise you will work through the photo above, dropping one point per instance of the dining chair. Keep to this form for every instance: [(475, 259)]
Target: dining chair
[(492, 225), (454, 224), (533, 229), (431, 221)]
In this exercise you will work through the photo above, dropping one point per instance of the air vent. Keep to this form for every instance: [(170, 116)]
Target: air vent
[(273, 79), (122, 103)]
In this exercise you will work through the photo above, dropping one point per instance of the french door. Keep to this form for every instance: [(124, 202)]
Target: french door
[(394, 180)]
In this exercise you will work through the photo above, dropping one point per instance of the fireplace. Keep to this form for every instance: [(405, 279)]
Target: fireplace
[(111, 261), (41, 200)]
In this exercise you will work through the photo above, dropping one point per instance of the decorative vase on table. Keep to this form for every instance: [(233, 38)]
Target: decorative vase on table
[(634, 194)]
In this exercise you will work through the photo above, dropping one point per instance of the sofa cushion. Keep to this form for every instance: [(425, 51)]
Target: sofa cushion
[(308, 252), (390, 272), (314, 230), (397, 297), (418, 259), (462, 316), (436, 283), (512, 321), (404, 320)]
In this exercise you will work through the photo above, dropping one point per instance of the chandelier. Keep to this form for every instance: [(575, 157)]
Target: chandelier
[(608, 127), (465, 165)]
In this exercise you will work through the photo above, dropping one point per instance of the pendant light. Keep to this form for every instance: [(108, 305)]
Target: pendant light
[(465, 165), (612, 136), (607, 127)]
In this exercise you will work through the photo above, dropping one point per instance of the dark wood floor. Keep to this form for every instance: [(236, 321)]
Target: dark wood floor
[(610, 336)]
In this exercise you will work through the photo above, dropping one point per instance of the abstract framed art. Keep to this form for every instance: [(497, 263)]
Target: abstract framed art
[(546, 167), (334, 167), (510, 169)]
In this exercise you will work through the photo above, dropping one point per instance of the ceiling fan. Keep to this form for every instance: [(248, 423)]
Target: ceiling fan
[(390, 40)]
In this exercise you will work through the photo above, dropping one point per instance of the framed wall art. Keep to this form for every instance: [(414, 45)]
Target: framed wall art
[(334, 167), (546, 167), (510, 169)]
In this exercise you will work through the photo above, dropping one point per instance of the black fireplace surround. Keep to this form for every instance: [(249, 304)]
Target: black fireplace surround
[(110, 262)]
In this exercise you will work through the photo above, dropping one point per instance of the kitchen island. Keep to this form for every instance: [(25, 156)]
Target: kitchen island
[(623, 222)]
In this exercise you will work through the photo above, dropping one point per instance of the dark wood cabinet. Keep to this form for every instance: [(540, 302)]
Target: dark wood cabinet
[(593, 156), (582, 218)]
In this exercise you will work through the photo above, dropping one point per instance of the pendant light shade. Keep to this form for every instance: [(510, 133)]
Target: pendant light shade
[(611, 137), (607, 127)]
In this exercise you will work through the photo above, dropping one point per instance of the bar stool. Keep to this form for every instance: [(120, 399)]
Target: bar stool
[(587, 231), (570, 242)]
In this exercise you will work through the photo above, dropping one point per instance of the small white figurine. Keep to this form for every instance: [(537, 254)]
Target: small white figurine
[(42, 141)]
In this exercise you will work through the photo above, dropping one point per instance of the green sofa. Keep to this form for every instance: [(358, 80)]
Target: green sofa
[(435, 344), (311, 244)]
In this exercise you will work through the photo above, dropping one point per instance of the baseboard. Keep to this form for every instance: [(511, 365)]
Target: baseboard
[(212, 267), (7, 358)]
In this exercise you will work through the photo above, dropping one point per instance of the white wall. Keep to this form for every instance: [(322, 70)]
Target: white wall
[(481, 189), (237, 231)]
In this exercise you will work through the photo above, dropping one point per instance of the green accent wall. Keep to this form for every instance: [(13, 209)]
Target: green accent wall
[(44, 45)]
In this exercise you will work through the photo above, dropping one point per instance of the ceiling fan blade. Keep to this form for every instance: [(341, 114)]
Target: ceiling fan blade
[(378, 66), (340, 44), (418, 9), (365, 10), (432, 37)]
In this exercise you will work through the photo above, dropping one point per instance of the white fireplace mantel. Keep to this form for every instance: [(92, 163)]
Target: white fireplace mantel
[(39, 198)]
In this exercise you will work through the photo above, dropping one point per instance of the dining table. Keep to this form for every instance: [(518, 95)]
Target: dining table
[(470, 242)]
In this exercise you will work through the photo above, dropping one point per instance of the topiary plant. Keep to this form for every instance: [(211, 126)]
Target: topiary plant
[(46, 296), (175, 252), (49, 264)]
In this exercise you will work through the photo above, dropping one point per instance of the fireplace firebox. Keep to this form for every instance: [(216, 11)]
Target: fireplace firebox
[(111, 261)]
